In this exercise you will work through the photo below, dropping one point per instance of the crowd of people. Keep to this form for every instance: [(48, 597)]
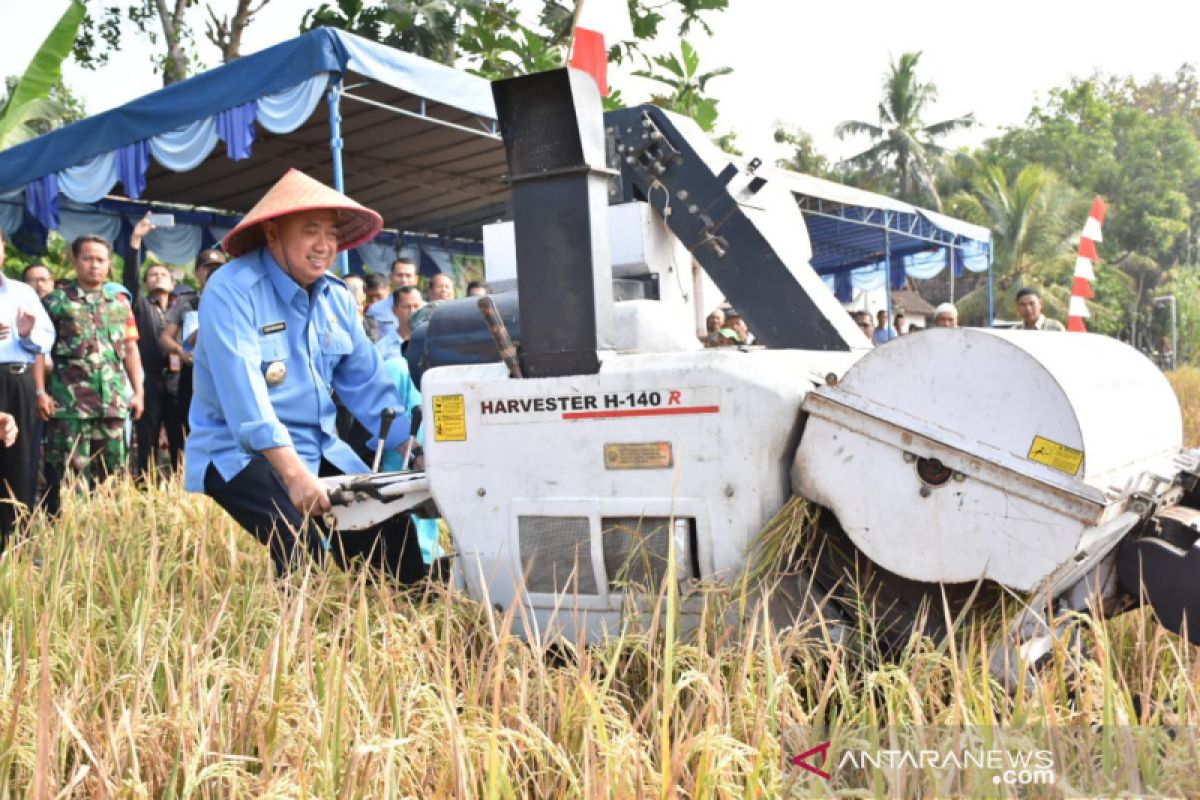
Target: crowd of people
[(97, 380), (726, 328)]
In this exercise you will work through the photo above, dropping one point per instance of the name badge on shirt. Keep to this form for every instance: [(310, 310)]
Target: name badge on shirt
[(274, 327)]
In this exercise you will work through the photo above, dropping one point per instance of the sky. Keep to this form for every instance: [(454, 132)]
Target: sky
[(795, 62)]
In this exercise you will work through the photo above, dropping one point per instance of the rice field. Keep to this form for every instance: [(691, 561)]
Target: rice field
[(146, 651)]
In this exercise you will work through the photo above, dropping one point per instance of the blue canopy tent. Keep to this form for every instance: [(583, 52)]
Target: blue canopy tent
[(863, 240), (422, 150)]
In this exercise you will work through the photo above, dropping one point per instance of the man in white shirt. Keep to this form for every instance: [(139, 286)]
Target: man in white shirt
[(26, 335)]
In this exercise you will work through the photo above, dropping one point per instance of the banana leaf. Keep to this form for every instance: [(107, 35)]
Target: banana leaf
[(43, 72)]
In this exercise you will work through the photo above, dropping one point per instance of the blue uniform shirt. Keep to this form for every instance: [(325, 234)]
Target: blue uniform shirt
[(253, 317), (390, 345), (381, 311)]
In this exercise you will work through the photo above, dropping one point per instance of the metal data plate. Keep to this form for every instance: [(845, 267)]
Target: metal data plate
[(638, 455)]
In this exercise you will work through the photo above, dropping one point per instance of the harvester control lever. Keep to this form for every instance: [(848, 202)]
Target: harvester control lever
[(385, 424)]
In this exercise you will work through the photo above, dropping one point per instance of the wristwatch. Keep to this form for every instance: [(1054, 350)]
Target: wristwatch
[(40, 393)]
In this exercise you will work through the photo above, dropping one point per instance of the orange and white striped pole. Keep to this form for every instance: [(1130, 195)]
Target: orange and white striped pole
[(1085, 274)]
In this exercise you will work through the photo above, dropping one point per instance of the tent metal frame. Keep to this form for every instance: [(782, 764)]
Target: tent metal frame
[(889, 221)]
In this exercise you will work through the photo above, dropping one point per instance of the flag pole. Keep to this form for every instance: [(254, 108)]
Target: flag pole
[(574, 26)]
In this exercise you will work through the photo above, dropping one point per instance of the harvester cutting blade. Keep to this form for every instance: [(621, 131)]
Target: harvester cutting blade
[(887, 609)]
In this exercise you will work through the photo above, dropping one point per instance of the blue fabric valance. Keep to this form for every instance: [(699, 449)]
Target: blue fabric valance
[(178, 150)]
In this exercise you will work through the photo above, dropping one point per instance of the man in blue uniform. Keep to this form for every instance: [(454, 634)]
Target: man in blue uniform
[(276, 336)]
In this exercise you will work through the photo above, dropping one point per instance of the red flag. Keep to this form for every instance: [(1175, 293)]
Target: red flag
[(599, 25)]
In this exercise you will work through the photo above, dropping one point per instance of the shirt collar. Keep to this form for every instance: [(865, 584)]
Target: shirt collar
[(283, 283)]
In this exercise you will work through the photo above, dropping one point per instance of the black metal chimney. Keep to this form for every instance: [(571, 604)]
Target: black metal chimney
[(553, 129)]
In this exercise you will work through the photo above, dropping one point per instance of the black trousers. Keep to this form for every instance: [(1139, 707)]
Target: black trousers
[(17, 397), (146, 428), (257, 500), (160, 411)]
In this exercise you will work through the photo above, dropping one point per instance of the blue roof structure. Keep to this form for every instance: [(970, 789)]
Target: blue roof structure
[(860, 238), (422, 147)]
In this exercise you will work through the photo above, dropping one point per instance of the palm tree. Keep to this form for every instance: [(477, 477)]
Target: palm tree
[(901, 140), (1030, 227)]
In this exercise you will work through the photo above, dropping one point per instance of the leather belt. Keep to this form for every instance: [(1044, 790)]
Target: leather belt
[(15, 367)]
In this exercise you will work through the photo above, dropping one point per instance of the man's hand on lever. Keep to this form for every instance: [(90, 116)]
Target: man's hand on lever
[(308, 493)]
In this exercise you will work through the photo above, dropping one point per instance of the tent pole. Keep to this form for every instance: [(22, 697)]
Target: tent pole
[(887, 276), (335, 147), (991, 318), (950, 258)]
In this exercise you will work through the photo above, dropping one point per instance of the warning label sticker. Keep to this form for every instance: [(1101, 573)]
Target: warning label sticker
[(449, 418), (1056, 456), (638, 455), (604, 405)]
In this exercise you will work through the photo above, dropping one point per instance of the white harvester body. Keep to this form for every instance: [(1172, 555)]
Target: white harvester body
[(550, 484)]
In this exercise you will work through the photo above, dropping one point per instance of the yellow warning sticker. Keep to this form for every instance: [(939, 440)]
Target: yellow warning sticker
[(1056, 456), (449, 418)]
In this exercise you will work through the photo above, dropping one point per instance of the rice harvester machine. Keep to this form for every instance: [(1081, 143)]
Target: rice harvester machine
[(607, 448)]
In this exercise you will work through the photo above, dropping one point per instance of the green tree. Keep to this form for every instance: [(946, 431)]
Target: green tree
[(168, 23), (1028, 216), (30, 107), (903, 146), (1184, 284), (681, 74), (805, 157), (1101, 138), (493, 38), (430, 29)]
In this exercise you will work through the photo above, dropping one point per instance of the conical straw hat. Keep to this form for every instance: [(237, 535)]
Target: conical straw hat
[(296, 192)]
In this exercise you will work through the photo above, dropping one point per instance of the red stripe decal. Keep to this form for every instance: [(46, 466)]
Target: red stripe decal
[(641, 412)]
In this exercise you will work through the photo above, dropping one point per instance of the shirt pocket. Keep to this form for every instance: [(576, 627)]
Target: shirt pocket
[(274, 347), (337, 343)]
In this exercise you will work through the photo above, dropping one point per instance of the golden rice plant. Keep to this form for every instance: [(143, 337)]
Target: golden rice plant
[(146, 650), (1186, 382)]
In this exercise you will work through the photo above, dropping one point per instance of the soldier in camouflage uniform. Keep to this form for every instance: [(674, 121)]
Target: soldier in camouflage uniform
[(92, 355)]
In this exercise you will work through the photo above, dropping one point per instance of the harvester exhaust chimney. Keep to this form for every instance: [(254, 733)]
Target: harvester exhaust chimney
[(553, 128)]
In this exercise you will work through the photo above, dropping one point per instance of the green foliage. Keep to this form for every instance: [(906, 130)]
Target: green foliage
[(429, 29), (904, 149), (492, 37), (681, 74), (1137, 145), (1184, 284), (1097, 135), (29, 107), (57, 258), (804, 158), (1030, 224), (167, 24)]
